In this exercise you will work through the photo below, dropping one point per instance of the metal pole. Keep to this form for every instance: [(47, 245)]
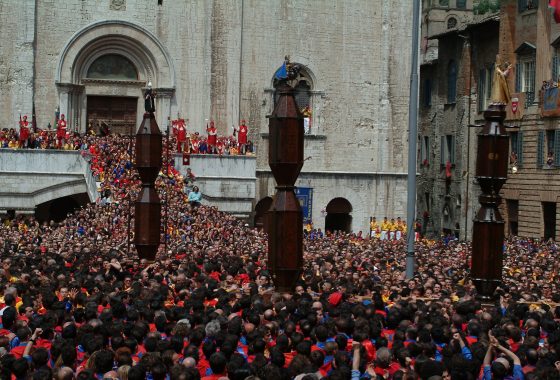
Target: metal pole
[(165, 183), (129, 192), (412, 137)]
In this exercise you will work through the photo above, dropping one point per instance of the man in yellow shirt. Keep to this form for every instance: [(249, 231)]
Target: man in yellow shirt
[(385, 226), (374, 228), (392, 229), (400, 228)]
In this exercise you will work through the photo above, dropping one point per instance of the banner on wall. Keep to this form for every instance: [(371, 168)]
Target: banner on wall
[(516, 109), (550, 102), (305, 198)]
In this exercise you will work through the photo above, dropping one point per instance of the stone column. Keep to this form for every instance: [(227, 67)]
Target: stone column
[(77, 109), (64, 100), (69, 101), (163, 106)]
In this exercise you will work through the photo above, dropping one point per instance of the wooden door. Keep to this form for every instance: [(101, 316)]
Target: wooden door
[(117, 112)]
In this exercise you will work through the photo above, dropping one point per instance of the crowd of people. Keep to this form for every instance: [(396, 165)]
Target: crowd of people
[(183, 140), (77, 302)]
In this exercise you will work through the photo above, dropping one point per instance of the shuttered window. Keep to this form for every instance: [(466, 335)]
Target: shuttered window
[(481, 90), (527, 5), (518, 77), (540, 149), (525, 77), (451, 82), (555, 62), (556, 149), (519, 149), (451, 147), (442, 151)]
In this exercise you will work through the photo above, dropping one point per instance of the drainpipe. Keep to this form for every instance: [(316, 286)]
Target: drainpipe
[(472, 52)]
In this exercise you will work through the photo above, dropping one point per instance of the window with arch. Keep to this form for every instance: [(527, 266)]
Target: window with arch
[(451, 81), (451, 23), (305, 95), (303, 89), (112, 67)]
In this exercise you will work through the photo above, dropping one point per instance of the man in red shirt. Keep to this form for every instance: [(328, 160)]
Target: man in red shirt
[(61, 132), (212, 137), (23, 132), (242, 131), (181, 132)]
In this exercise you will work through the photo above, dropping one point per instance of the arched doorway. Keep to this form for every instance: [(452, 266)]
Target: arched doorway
[(338, 215), (114, 114), (103, 70), (59, 208), (261, 208)]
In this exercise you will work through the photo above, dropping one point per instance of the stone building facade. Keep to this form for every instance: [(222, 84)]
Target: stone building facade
[(457, 44), (525, 35), (529, 38), (215, 60)]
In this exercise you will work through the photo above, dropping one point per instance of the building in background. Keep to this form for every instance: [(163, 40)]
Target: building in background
[(215, 59), (459, 46), (456, 80)]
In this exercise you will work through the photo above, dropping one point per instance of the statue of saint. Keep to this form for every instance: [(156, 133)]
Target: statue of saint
[(149, 95), (500, 90)]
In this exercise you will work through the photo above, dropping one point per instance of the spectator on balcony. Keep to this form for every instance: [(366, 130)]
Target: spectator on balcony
[(550, 160)]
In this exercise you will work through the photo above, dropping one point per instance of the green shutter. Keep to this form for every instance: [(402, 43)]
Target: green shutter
[(442, 149), (452, 154), (555, 68), (518, 77), (540, 149), (481, 92), (421, 150), (519, 149), (557, 148)]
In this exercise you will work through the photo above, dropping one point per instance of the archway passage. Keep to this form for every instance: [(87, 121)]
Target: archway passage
[(338, 215), (261, 208), (58, 209), (117, 113)]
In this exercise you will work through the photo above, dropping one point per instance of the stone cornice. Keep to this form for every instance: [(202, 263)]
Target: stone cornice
[(70, 87), (137, 83)]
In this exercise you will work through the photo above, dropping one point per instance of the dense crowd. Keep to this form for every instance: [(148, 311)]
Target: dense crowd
[(181, 140), (77, 303)]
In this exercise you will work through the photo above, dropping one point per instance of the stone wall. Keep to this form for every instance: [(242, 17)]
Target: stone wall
[(222, 56), (17, 28), (227, 182), (31, 177), (453, 202)]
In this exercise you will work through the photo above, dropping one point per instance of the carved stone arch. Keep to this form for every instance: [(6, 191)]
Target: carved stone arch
[(137, 44), (308, 74), (124, 36), (144, 69)]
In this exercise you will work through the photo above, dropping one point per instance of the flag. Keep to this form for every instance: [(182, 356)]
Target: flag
[(282, 72), (555, 5)]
